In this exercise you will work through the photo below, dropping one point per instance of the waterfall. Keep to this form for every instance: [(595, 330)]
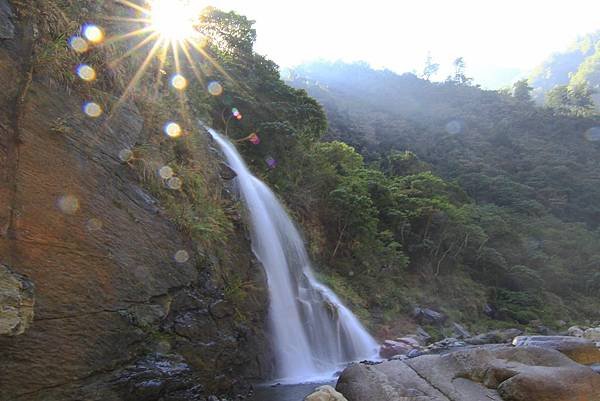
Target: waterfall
[(314, 334)]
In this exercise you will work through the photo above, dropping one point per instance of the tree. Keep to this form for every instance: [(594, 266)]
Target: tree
[(576, 100), (522, 90), (459, 77), (430, 68)]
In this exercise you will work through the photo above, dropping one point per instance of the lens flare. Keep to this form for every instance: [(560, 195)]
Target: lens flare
[(93, 225), (93, 33), (68, 204), (78, 44), (179, 82), (173, 129), (454, 127), (215, 88), (165, 172), (182, 256), (593, 134), (86, 72), (174, 183), (174, 19), (125, 155), (92, 109)]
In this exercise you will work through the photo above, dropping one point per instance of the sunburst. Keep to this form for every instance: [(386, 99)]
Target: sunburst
[(166, 30)]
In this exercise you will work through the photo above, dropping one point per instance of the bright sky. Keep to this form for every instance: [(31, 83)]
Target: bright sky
[(398, 34)]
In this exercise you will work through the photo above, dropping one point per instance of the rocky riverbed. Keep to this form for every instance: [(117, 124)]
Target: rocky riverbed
[(528, 368)]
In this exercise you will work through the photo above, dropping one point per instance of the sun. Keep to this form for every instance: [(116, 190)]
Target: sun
[(174, 20), (172, 34)]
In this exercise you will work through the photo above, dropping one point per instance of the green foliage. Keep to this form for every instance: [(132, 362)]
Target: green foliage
[(522, 91), (576, 100), (473, 195)]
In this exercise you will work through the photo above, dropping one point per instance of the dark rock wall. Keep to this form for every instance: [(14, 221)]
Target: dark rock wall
[(115, 317)]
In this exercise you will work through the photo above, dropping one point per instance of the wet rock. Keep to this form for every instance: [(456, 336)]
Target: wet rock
[(7, 28), (460, 331), (325, 393), (226, 172), (158, 378), (596, 367), (493, 372), (592, 334), (575, 331), (578, 349), (429, 316), (494, 337), (16, 302)]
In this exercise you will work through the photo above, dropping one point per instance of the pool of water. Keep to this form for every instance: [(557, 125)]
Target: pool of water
[(293, 392)]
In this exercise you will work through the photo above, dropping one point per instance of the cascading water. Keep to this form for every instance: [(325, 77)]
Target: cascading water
[(314, 334)]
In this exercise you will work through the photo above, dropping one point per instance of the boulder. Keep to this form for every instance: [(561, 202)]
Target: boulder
[(411, 341), (495, 337), (592, 334), (422, 336), (325, 393), (575, 331), (429, 316), (16, 302), (391, 348), (492, 372), (580, 350), (460, 331), (489, 311)]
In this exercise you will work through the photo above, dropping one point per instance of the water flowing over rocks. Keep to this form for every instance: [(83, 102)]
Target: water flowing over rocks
[(491, 372), (314, 333)]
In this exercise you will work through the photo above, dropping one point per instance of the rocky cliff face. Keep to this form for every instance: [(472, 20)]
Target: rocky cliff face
[(93, 303)]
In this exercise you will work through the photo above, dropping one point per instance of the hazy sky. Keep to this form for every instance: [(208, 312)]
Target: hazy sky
[(398, 34)]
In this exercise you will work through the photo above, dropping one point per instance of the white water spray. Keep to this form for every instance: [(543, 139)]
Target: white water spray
[(314, 334)]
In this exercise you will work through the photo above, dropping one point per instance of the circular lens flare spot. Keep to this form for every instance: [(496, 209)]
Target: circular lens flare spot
[(165, 172), (93, 33), (174, 183), (215, 88), (173, 129), (86, 72), (179, 82), (182, 256), (593, 134), (92, 109), (125, 155), (454, 127), (93, 225), (78, 44), (68, 204)]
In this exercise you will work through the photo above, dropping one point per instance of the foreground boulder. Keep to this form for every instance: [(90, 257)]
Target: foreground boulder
[(580, 350), (325, 393), (592, 333), (495, 372)]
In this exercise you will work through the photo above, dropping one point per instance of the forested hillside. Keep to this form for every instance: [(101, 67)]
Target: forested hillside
[(455, 197), (579, 65)]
